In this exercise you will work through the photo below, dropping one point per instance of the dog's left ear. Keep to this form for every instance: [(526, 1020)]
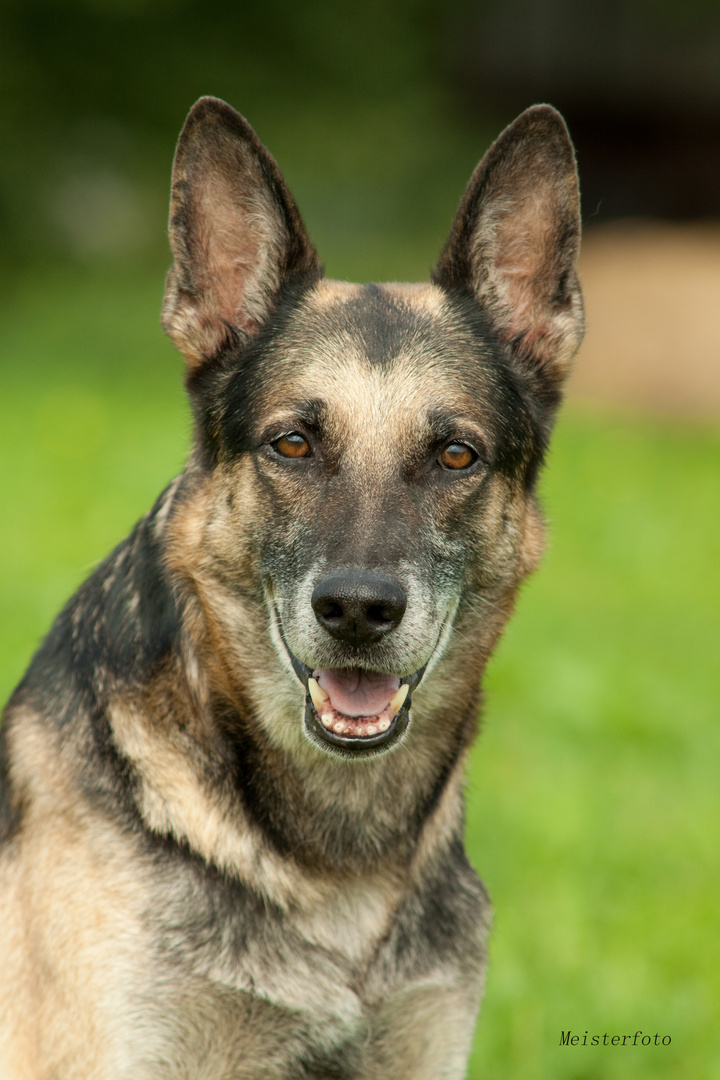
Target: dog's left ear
[(515, 241), (236, 235)]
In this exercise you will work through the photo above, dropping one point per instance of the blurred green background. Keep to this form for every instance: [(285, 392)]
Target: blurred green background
[(593, 812)]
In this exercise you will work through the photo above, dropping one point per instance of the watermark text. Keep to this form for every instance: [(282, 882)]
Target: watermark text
[(640, 1038)]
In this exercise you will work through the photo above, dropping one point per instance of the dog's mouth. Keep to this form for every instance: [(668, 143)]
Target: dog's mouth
[(353, 708)]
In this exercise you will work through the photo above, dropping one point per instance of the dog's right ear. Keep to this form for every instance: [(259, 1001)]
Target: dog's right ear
[(235, 233)]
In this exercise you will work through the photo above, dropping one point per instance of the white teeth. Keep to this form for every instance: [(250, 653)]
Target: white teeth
[(339, 727), (371, 730), (396, 703), (327, 719), (317, 693), (383, 724)]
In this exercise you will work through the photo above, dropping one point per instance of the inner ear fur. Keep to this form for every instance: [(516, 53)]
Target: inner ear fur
[(515, 241), (235, 232)]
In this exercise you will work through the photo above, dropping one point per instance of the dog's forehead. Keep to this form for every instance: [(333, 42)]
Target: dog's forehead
[(367, 349)]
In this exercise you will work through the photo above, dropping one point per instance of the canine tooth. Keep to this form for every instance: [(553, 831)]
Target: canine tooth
[(397, 702), (383, 724), (371, 730), (317, 693)]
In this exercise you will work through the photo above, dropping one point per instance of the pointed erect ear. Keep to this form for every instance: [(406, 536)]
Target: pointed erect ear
[(235, 232), (515, 240)]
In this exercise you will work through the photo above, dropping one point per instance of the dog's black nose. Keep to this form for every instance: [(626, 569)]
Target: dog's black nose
[(358, 608)]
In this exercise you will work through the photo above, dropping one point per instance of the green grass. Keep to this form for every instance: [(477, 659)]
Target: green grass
[(593, 813)]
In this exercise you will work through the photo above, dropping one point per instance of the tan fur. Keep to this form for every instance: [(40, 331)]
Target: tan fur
[(69, 912), (174, 802)]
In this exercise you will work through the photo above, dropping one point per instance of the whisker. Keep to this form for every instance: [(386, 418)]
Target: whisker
[(477, 598), (469, 641)]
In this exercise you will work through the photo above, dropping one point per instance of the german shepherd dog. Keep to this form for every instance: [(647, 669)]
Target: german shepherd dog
[(232, 821)]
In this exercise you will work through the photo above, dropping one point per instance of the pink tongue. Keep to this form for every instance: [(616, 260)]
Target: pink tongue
[(354, 692)]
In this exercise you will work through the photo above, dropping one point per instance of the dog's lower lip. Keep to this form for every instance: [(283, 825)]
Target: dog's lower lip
[(369, 740), (354, 733)]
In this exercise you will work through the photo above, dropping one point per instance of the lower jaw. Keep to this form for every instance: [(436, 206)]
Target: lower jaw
[(348, 745), (353, 745)]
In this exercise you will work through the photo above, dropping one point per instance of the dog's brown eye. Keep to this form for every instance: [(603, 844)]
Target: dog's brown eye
[(293, 445), (457, 456)]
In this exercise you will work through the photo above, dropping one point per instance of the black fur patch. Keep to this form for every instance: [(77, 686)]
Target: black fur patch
[(442, 916), (217, 915), (118, 627), (342, 1063), (111, 637)]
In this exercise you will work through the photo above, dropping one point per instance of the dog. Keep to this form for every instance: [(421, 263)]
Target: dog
[(232, 777)]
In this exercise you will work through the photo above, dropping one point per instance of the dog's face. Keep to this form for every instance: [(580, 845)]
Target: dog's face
[(372, 441), (367, 454)]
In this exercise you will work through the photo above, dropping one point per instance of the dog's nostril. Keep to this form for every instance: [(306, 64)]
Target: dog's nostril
[(359, 608), (329, 610), (380, 615)]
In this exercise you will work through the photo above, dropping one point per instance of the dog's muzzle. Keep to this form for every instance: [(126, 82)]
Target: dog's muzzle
[(356, 709)]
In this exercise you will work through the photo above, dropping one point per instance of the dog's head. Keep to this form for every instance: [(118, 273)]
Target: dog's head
[(366, 455)]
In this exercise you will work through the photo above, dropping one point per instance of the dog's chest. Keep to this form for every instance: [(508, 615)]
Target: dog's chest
[(290, 991), (350, 921), (314, 957)]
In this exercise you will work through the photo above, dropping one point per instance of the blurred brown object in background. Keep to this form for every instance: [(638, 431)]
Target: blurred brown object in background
[(652, 297)]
